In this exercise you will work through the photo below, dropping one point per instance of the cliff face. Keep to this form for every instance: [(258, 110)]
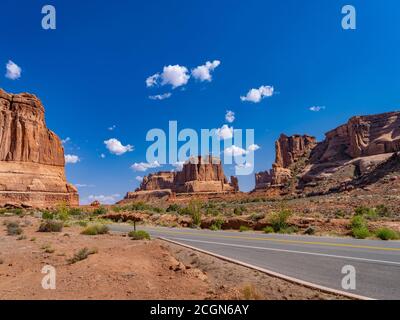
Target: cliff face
[(288, 151), (347, 154), (31, 156), (198, 175)]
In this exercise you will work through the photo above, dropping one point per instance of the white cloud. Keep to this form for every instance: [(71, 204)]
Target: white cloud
[(203, 73), (179, 165), (116, 147), (225, 132), (175, 76), (152, 80), (161, 96), (112, 127), (234, 151), (67, 139), (316, 108), (102, 156), (256, 95), (245, 165), (105, 199), (144, 166), (13, 70), (70, 158), (253, 147), (139, 178), (230, 116)]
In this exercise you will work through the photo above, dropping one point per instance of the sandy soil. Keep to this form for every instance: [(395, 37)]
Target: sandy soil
[(126, 269)]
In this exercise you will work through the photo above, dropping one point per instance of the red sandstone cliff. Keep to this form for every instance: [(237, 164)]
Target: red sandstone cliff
[(31, 156)]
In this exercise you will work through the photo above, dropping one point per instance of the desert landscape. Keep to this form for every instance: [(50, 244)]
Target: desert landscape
[(344, 186)]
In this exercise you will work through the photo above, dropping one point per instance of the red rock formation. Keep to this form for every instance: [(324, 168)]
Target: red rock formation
[(288, 150), (198, 175), (31, 156)]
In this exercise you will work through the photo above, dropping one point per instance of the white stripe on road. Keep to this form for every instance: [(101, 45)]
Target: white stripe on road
[(289, 251)]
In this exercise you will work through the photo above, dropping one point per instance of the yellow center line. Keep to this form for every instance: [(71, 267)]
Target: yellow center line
[(280, 240)]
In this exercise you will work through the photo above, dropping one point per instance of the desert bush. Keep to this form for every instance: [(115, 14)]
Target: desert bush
[(366, 212), (51, 226), (75, 211), (117, 208), (360, 233), (81, 255), (139, 235), (100, 210), (249, 292), (382, 211), (95, 229), (194, 209), (157, 210), (239, 210), (310, 231), (138, 206), (13, 228), (359, 227), (47, 215), (217, 225), (173, 207), (243, 228), (278, 220), (268, 230), (387, 234)]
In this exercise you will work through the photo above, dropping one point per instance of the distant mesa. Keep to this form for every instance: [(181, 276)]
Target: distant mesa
[(31, 156), (347, 158), (198, 176)]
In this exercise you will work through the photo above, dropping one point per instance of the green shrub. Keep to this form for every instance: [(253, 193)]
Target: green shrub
[(268, 230), (95, 229), (382, 211), (194, 209), (359, 227), (158, 210), (217, 225), (360, 232), (243, 228), (75, 211), (257, 216), (100, 210), (51, 226), (47, 215), (139, 235), (13, 228), (173, 207), (387, 234), (278, 220), (366, 212), (117, 209), (81, 255), (239, 210), (62, 212)]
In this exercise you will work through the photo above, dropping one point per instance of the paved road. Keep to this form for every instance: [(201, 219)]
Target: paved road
[(315, 259)]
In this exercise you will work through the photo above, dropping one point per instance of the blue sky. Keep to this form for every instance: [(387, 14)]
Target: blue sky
[(90, 72)]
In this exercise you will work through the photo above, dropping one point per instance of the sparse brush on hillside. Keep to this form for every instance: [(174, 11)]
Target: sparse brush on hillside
[(95, 229), (139, 235), (100, 211), (81, 255), (51, 226), (13, 228), (217, 225)]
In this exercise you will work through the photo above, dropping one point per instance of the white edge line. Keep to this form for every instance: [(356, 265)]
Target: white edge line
[(273, 273)]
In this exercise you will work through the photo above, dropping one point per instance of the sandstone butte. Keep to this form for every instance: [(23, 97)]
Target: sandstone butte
[(32, 164), (348, 153), (198, 176)]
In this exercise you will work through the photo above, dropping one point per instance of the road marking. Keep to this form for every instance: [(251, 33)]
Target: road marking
[(290, 251), (279, 240)]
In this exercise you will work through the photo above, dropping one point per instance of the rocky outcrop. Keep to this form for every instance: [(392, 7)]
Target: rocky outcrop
[(288, 152), (350, 153), (198, 175), (31, 156)]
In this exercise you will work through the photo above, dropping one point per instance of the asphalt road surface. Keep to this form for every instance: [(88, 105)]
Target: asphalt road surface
[(309, 258)]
